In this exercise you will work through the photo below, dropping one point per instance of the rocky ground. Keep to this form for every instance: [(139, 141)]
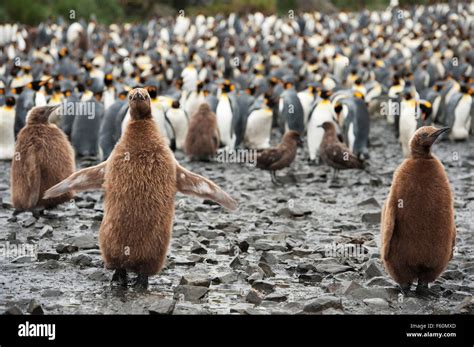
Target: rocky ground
[(274, 255)]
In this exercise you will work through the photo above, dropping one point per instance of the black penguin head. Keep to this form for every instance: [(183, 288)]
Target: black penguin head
[(10, 101), (199, 86), (41, 114), (139, 101), (426, 109), (324, 94), (152, 91), (227, 87), (338, 108), (123, 95), (464, 88), (108, 79), (423, 139), (175, 104)]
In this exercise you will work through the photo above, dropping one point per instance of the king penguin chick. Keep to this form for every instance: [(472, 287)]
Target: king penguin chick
[(202, 139), (277, 158), (417, 228), (139, 195), (43, 157), (335, 153)]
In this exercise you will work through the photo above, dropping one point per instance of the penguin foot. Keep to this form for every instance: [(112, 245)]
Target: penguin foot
[(405, 289), (275, 179), (422, 290), (120, 277), (141, 282)]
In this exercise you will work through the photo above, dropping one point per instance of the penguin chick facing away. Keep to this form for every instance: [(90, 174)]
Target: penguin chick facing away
[(140, 179), (277, 158), (417, 228), (202, 139), (43, 157), (335, 153)]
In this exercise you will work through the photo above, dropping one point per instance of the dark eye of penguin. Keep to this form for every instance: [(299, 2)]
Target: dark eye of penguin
[(424, 135)]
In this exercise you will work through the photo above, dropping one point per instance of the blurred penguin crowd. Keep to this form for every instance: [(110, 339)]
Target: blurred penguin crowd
[(407, 66)]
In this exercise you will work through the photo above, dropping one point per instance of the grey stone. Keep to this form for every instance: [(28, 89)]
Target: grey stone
[(163, 306), (376, 303), (14, 310), (191, 293), (23, 259), (46, 232), (276, 297), (82, 260), (228, 277), (323, 303), (83, 242), (197, 248), (254, 297), (369, 202), (51, 293), (371, 217), (266, 269), (35, 308), (50, 264), (332, 268), (310, 278), (42, 256), (372, 270), (196, 279), (263, 286), (379, 281), (66, 248)]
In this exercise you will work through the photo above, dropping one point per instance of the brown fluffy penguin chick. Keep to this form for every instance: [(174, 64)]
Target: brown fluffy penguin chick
[(335, 153), (281, 156), (140, 179), (417, 228), (202, 139), (43, 157)]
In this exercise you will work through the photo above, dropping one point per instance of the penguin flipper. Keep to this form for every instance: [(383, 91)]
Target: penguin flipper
[(387, 227), (86, 179), (193, 184)]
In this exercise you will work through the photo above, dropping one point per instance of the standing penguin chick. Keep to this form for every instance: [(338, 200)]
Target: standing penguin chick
[(417, 229), (277, 158), (43, 157), (140, 178), (202, 139), (335, 153)]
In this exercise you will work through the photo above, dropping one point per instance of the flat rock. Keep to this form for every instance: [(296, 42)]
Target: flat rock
[(14, 310), (263, 286), (82, 260), (323, 303), (66, 248), (48, 293), (371, 217), (191, 293), (310, 278), (83, 242), (276, 297), (196, 279), (369, 202), (332, 268), (378, 303), (163, 306), (42, 256)]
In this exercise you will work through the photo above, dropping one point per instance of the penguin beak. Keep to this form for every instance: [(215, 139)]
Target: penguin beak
[(437, 133)]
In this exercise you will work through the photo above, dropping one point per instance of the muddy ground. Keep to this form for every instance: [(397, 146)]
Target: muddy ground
[(274, 255)]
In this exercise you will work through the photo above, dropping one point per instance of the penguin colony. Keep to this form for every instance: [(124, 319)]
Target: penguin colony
[(208, 84)]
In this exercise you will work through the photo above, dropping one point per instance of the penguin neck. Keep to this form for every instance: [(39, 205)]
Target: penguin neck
[(421, 152)]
